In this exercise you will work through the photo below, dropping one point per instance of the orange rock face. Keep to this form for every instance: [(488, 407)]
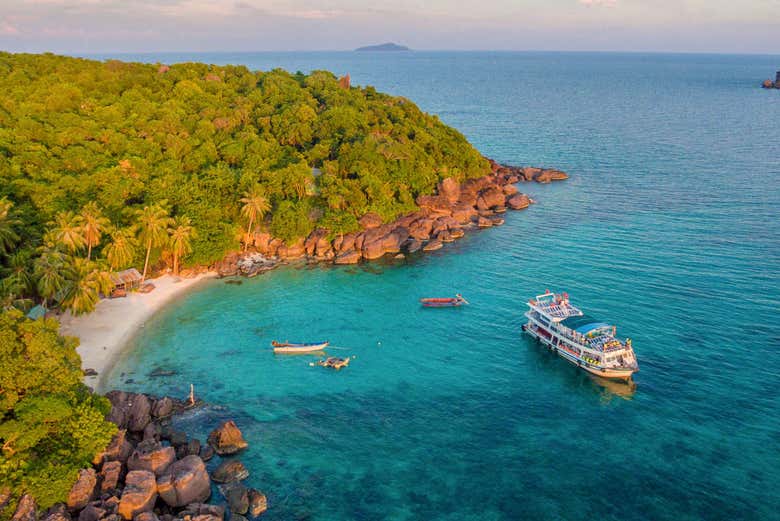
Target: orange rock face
[(139, 494)]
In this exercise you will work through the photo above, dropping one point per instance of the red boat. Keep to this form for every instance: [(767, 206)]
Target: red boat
[(455, 301)]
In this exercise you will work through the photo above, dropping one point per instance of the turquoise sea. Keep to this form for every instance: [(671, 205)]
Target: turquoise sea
[(668, 227)]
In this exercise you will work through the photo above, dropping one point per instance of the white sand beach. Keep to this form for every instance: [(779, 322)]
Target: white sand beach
[(104, 333)]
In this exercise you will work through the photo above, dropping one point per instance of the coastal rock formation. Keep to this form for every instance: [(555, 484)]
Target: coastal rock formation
[(110, 474), (768, 84), (152, 456), (229, 471), (139, 494), (237, 496), (185, 482), (257, 502), (25, 509), (83, 489), (227, 439)]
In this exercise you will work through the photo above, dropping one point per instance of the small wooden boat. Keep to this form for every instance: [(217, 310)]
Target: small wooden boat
[(455, 301), (289, 347), (334, 362)]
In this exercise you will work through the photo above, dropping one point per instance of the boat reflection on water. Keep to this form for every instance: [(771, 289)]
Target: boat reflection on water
[(610, 388)]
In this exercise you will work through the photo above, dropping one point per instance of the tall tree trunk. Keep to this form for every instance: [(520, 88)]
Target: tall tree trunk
[(146, 262), (248, 234), (175, 264), (89, 251)]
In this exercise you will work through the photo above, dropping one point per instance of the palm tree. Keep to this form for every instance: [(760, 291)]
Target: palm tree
[(94, 224), (68, 231), (82, 291), (254, 207), (10, 297), (8, 237), (50, 274), (153, 224), (17, 272), (121, 250), (180, 236)]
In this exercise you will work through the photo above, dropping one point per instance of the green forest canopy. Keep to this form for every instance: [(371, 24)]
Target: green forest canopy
[(190, 139)]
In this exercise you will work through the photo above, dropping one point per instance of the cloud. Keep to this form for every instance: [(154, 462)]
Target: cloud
[(7, 29)]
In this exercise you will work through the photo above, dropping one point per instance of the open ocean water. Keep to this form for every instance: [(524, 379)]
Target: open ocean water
[(668, 227)]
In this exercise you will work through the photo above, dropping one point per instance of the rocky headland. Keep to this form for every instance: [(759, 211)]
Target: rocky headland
[(769, 84), (152, 472), (444, 217)]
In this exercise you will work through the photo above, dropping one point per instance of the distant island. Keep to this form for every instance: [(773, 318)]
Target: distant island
[(384, 47)]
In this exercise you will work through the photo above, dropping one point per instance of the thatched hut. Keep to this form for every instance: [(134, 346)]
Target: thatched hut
[(127, 280)]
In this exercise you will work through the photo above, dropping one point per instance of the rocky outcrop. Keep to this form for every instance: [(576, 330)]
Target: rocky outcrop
[(227, 439), (82, 490), (25, 509), (110, 475), (152, 456), (546, 176), (257, 503), (185, 482), (139, 494), (370, 220), (237, 496), (229, 471)]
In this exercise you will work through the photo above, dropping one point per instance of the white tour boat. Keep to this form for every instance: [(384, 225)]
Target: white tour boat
[(579, 338)]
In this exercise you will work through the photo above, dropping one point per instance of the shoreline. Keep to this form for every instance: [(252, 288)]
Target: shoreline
[(105, 333)]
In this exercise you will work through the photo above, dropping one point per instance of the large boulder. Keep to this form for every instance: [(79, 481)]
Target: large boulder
[(146, 516), (162, 408), (433, 245), (237, 496), (370, 220), (490, 198), (450, 189), (152, 456), (230, 471), (118, 450), (345, 242), (258, 503), (57, 513), (139, 413), (25, 509), (203, 509), (348, 257), (185, 482), (421, 228), (93, 512), (83, 490), (510, 189), (139, 494), (311, 243), (412, 245), (464, 213), (296, 250), (545, 176), (484, 222), (530, 172), (518, 202), (227, 439), (435, 204), (110, 473)]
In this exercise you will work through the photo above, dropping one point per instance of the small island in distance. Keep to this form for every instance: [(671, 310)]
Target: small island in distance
[(384, 47)]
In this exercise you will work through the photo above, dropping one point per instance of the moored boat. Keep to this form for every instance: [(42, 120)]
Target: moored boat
[(578, 338), (290, 347), (455, 301)]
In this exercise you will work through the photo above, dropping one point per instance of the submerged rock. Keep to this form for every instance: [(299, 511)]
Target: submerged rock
[(230, 471), (258, 503)]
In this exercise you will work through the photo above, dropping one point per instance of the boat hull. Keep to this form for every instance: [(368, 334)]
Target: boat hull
[(441, 302), (300, 348), (610, 373)]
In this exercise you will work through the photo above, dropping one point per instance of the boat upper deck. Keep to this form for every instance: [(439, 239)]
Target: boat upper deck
[(555, 306)]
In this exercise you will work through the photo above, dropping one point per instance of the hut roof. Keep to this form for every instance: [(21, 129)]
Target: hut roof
[(36, 312), (126, 276)]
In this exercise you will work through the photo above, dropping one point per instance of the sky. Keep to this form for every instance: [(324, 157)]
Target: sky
[(116, 26)]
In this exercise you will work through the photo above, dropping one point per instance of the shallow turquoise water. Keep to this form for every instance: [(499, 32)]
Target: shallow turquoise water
[(668, 228)]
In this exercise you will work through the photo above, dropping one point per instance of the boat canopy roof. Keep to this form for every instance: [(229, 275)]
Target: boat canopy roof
[(583, 324)]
